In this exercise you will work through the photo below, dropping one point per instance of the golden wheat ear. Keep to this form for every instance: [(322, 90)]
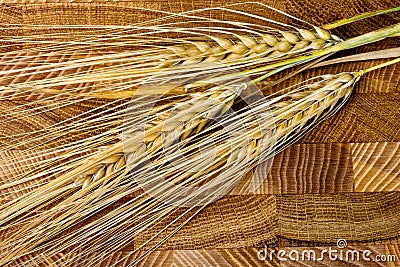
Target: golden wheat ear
[(187, 118), (295, 112)]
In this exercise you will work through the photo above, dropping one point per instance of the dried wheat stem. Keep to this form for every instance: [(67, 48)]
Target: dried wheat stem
[(387, 63), (365, 15)]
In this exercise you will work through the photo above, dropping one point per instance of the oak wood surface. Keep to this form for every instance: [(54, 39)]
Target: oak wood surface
[(342, 180)]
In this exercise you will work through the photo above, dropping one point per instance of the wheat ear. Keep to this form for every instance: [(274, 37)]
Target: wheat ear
[(186, 118), (272, 126), (171, 125), (294, 113), (277, 44)]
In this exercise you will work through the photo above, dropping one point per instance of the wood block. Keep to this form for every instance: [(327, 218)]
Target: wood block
[(353, 216), (304, 169), (231, 222), (377, 117)]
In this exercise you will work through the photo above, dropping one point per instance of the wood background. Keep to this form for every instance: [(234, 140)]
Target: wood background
[(342, 180)]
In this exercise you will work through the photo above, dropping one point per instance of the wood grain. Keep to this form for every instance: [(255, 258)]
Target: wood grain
[(377, 117), (325, 218), (312, 180), (9, 15), (304, 169), (376, 166), (367, 117), (231, 222)]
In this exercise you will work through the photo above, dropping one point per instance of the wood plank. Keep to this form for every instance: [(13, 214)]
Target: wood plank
[(376, 166), (377, 117), (304, 169), (353, 216), (231, 222)]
